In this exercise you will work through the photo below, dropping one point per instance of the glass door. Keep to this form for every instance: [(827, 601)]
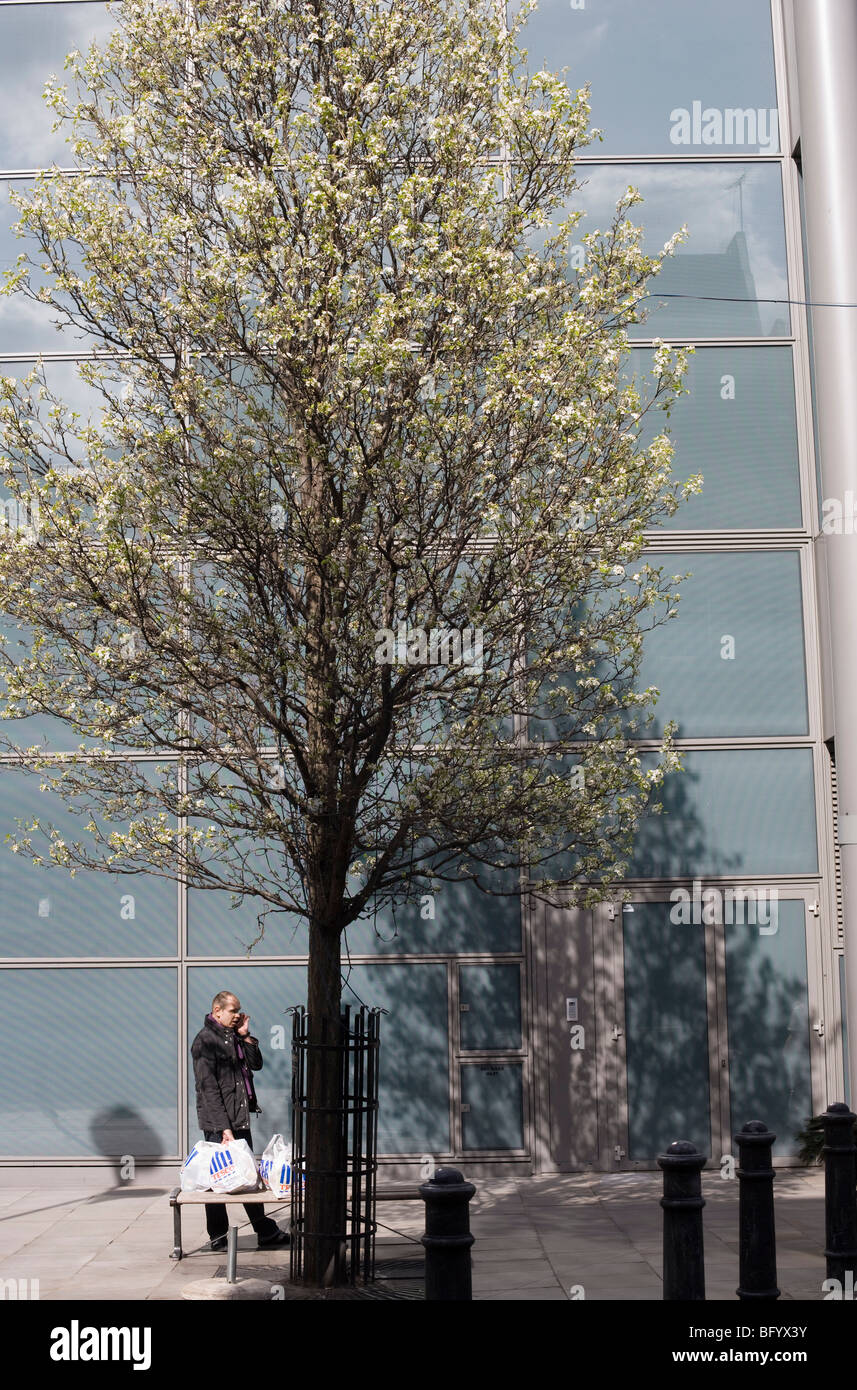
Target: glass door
[(710, 1018), (774, 1023), (656, 1037)]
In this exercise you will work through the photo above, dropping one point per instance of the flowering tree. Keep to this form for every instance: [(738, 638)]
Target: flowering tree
[(367, 497)]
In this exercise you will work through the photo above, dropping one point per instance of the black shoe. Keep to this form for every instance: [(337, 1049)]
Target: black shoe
[(218, 1244), (268, 1242)]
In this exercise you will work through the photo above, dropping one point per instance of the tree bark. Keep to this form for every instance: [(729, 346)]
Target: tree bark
[(324, 1205)]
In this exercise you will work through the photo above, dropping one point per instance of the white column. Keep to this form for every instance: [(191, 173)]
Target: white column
[(826, 44)]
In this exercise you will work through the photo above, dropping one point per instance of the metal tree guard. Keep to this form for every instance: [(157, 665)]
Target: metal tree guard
[(355, 1044)]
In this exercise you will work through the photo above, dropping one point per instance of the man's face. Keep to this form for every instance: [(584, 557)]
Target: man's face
[(229, 1013)]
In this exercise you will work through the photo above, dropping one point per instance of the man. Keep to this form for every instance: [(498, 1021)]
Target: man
[(224, 1055)]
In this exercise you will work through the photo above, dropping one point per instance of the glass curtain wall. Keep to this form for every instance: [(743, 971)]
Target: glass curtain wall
[(89, 951), (686, 98), (687, 104)]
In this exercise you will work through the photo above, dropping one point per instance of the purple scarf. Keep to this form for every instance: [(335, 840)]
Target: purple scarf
[(242, 1061)]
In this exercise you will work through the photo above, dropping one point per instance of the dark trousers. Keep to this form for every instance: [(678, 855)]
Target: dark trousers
[(216, 1217)]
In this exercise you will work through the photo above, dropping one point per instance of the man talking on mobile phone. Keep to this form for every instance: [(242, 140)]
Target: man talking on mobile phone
[(225, 1054)]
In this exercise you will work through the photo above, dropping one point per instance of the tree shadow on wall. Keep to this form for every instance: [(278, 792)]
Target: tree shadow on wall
[(666, 1010), (769, 1032)]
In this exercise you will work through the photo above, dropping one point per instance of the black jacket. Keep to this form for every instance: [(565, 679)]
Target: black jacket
[(222, 1101)]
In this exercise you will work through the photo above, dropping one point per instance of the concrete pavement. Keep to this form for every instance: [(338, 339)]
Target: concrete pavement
[(549, 1238)]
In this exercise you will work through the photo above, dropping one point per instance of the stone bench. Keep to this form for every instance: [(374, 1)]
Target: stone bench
[(401, 1192)]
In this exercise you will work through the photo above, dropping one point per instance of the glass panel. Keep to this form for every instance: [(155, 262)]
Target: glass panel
[(494, 1093), (767, 1005), (216, 925), (655, 65), (490, 998), (737, 428), (34, 44), (27, 326), (60, 734), (63, 381), (45, 912), (109, 1085), (217, 928), (454, 918), (265, 993), (748, 811), (666, 1024), (413, 1102), (414, 1066), (732, 662), (722, 282), (15, 644)]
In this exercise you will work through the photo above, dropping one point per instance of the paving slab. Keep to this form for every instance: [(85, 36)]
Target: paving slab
[(536, 1238), (549, 1295)]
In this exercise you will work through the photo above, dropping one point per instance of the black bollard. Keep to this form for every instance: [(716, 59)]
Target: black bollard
[(757, 1242), (684, 1268), (840, 1197), (447, 1238)]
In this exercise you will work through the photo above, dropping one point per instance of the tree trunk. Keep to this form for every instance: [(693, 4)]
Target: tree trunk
[(323, 1207)]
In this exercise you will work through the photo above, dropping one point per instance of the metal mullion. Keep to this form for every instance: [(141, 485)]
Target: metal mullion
[(452, 998), (356, 959), (530, 1023), (824, 828), (719, 1114), (181, 1059), (604, 1008), (488, 1054), (835, 1061), (183, 1032), (60, 756), (76, 171), (184, 724), (700, 158), (799, 295), (716, 542), (651, 745), (654, 889), (89, 962), (79, 1160), (704, 542), (679, 159), (119, 355), (682, 340), (781, 79), (819, 994), (615, 1049)]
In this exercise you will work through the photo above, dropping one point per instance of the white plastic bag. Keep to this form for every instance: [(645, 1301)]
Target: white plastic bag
[(275, 1168), (232, 1167), (220, 1168), (195, 1169)]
